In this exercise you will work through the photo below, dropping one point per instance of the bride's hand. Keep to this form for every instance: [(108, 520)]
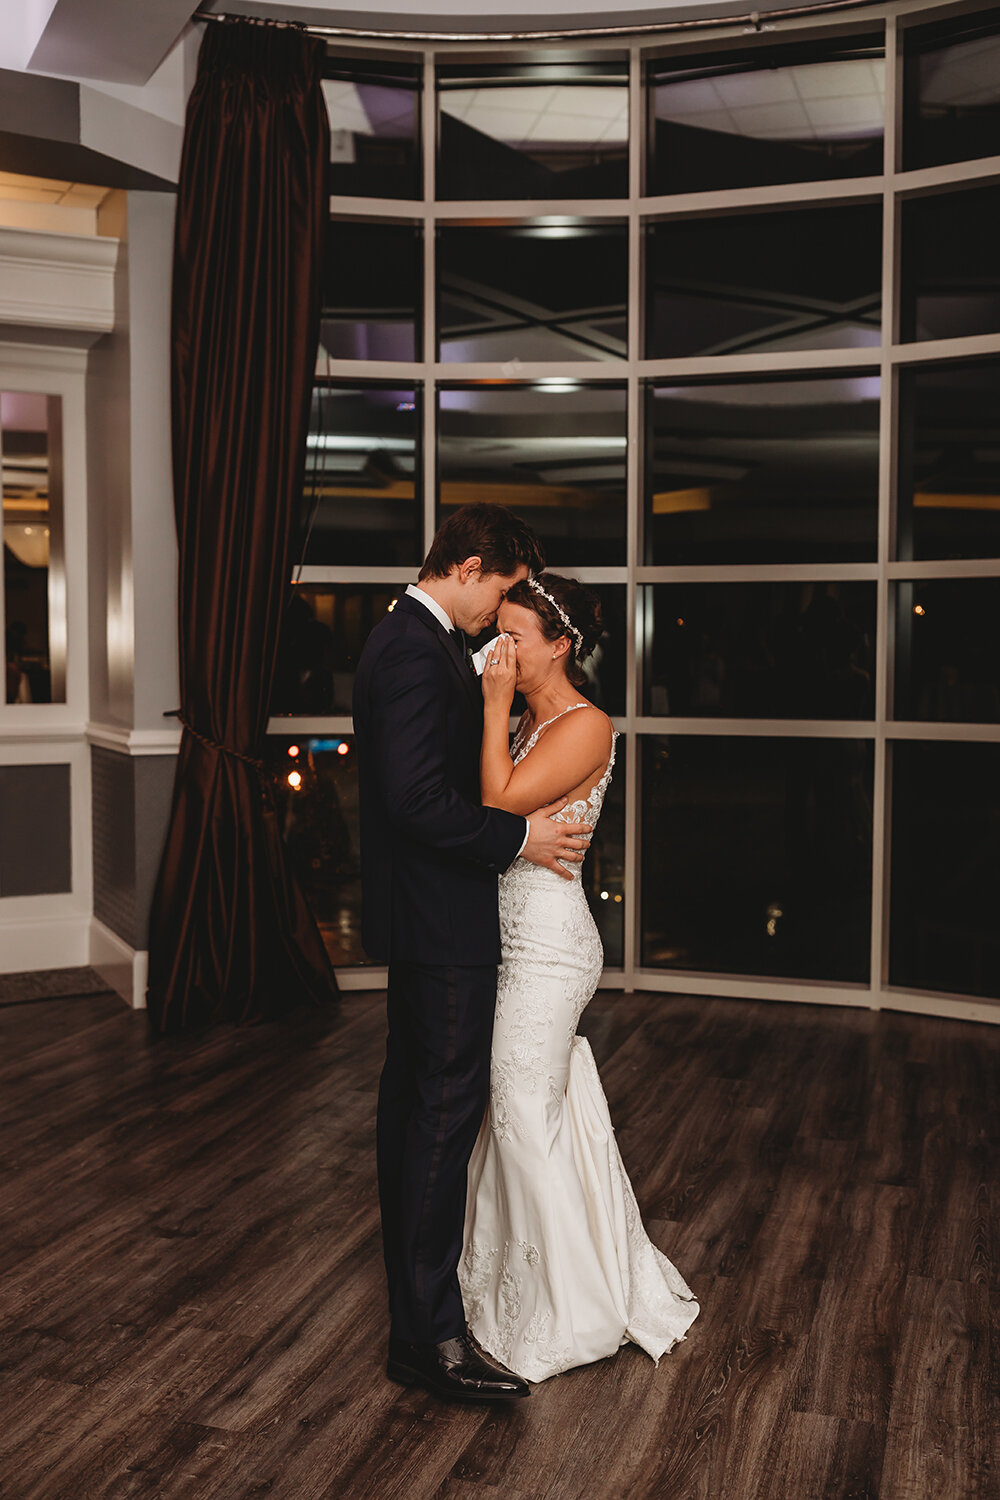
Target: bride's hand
[(500, 674)]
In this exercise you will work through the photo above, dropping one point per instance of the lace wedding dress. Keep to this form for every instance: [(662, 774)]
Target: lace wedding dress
[(556, 1269)]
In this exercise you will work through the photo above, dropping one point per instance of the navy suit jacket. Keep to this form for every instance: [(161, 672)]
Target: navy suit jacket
[(430, 852)]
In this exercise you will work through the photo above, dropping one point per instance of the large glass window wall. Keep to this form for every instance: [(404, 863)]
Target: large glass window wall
[(718, 315)]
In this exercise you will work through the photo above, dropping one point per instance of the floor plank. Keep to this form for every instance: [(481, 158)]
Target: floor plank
[(191, 1295)]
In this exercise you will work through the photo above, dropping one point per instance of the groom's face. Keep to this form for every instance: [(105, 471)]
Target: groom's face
[(481, 595)]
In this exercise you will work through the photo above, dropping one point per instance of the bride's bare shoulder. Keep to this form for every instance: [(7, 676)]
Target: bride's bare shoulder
[(586, 727)]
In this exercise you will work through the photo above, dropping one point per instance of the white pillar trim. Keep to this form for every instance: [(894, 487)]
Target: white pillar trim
[(57, 281), (134, 741)]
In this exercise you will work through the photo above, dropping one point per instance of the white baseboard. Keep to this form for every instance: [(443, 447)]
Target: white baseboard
[(124, 968), (45, 943), (363, 978)]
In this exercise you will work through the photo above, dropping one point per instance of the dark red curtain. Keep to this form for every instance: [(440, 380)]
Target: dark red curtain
[(231, 937)]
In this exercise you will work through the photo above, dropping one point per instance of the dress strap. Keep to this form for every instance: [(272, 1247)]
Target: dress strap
[(569, 710)]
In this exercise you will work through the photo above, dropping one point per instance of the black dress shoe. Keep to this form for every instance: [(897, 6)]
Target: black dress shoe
[(453, 1370)]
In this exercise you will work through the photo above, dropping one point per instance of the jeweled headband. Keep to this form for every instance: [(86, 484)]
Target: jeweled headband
[(564, 617)]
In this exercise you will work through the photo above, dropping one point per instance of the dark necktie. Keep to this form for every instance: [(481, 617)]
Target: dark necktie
[(464, 648)]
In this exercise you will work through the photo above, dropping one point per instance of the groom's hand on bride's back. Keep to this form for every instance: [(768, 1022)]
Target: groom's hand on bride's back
[(549, 842)]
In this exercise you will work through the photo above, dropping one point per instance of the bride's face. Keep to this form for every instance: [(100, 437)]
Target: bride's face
[(538, 660)]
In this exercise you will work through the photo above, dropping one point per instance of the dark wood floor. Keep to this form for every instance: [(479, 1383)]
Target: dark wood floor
[(191, 1297)]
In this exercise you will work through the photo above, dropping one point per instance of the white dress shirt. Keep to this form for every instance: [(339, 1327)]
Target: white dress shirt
[(443, 618)]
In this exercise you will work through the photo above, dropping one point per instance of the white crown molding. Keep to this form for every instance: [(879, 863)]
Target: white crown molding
[(62, 281), (48, 358), (39, 246), (40, 734), (134, 741)]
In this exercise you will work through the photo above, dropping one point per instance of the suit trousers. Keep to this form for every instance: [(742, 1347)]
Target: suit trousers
[(433, 1095)]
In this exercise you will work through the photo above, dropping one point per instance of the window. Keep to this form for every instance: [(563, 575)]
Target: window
[(951, 281), (776, 281), (945, 873), (657, 333), (757, 855), (555, 453), (949, 460), (952, 91), (766, 115), (947, 664), (323, 631), (372, 291), (362, 490), (760, 650), (374, 110), (316, 790), (532, 292), (545, 130), (34, 567), (776, 470)]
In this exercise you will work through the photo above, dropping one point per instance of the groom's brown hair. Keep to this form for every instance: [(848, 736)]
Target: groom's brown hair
[(491, 532)]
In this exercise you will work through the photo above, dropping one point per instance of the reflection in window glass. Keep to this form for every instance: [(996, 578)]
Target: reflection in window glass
[(947, 664), (361, 491), (950, 276), (766, 115), (34, 564), (324, 628), (763, 470), (374, 110), (949, 460), (756, 856), (951, 91), (372, 284), (943, 932), (552, 292), (316, 791), (534, 131), (760, 650), (555, 453), (802, 278)]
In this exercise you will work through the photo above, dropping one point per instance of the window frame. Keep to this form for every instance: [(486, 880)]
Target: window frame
[(891, 187)]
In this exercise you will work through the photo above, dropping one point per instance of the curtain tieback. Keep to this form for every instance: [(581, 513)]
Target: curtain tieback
[(223, 749)]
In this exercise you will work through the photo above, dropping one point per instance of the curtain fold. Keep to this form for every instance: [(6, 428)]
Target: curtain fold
[(231, 936)]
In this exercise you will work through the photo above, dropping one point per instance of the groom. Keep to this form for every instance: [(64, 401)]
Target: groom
[(430, 857)]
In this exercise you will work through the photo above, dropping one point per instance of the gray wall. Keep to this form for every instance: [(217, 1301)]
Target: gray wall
[(35, 831), (131, 804)]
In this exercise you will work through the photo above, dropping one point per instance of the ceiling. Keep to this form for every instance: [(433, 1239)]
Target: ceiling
[(117, 40), (486, 16), (50, 204), (15, 188), (125, 42)]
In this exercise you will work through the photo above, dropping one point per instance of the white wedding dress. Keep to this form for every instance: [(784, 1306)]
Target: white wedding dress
[(556, 1268)]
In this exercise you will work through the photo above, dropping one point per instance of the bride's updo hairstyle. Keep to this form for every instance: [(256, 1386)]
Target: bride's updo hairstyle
[(580, 604)]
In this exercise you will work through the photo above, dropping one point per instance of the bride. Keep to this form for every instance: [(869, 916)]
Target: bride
[(556, 1268)]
